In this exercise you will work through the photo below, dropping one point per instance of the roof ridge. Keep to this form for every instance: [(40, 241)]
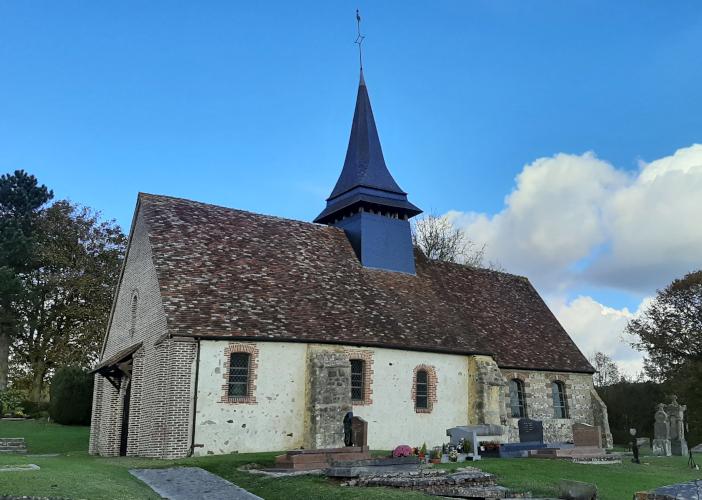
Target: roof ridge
[(142, 194)]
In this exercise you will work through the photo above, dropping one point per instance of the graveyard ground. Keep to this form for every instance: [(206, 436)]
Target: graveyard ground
[(75, 474)]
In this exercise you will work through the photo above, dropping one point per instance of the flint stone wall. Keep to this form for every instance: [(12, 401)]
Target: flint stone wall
[(328, 397), (539, 400)]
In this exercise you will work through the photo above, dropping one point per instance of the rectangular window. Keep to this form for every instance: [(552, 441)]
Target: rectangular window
[(239, 375), (422, 390), (357, 379)]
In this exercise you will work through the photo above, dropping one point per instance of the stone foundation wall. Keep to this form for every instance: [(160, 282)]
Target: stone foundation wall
[(539, 400)]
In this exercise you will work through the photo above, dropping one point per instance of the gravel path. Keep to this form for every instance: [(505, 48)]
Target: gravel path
[(191, 483)]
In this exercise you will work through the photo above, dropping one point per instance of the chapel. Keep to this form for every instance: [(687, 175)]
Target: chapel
[(233, 331)]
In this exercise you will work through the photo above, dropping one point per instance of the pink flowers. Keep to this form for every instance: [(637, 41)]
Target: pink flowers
[(402, 451)]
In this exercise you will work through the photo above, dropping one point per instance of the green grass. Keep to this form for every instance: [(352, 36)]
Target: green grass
[(75, 474), (614, 482), (42, 437)]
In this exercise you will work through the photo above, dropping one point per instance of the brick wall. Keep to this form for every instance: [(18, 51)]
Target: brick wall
[(162, 374)]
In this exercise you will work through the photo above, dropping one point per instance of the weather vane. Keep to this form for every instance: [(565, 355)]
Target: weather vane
[(359, 40)]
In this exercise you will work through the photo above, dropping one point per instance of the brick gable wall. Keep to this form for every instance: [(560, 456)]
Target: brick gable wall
[(162, 373)]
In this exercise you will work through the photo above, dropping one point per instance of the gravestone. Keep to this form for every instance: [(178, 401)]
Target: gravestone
[(587, 435), (530, 431), (661, 433), (359, 431), (676, 420)]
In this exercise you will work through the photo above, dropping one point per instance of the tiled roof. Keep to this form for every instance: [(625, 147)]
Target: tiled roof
[(230, 273)]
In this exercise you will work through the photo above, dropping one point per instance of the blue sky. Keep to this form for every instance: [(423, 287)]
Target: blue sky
[(249, 105)]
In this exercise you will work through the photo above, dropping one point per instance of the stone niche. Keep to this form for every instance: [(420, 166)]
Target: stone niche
[(328, 397)]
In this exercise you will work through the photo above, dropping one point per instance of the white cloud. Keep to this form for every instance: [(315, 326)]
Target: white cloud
[(595, 327), (576, 218)]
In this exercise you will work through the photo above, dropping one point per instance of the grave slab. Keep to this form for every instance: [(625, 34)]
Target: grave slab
[(191, 483)]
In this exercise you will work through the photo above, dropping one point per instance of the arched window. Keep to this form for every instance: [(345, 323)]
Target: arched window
[(132, 320), (517, 398), (239, 375), (358, 382), (421, 384), (560, 402)]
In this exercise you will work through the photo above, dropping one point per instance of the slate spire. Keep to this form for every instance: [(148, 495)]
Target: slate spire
[(367, 202), (365, 176)]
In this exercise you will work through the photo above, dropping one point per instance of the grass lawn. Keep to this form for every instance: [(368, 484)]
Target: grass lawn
[(75, 474)]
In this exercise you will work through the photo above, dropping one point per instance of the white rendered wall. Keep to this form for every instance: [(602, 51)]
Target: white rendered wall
[(274, 422), (391, 417)]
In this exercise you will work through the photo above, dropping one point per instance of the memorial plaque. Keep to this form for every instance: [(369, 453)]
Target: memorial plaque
[(587, 435), (530, 431)]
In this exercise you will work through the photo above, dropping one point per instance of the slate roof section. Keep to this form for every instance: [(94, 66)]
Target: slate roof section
[(231, 273)]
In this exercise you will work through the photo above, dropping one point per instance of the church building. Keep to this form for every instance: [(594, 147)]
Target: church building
[(233, 331)]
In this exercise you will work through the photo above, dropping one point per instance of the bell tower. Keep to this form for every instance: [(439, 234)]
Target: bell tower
[(367, 202)]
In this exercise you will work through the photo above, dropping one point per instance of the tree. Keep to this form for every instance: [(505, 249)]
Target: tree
[(439, 239), (65, 301), (21, 202), (670, 329), (607, 370)]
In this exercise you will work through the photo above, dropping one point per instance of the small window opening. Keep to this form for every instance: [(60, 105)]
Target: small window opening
[(517, 398), (560, 402), (239, 375), (422, 390), (357, 379)]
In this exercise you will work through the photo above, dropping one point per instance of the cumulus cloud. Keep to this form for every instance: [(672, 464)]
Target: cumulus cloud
[(574, 219), (595, 327)]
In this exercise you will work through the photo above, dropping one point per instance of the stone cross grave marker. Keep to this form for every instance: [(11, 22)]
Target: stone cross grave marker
[(530, 431)]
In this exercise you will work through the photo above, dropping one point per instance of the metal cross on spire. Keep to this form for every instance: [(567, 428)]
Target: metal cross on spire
[(359, 40)]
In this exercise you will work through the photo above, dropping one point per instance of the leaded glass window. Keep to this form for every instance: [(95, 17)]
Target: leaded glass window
[(517, 398), (239, 375), (560, 403), (422, 390), (357, 379)]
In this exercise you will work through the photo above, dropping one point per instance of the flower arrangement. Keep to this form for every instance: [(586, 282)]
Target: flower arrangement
[(402, 451), (453, 456), (436, 455)]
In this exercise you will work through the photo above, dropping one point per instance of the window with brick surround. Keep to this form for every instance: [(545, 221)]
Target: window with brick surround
[(239, 374), (240, 370), (424, 382), (517, 398), (358, 380), (361, 361), (560, 402), (421, 398)]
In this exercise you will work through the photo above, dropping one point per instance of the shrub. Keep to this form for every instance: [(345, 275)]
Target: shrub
[(71, 396), (11, 403), (36, 410)]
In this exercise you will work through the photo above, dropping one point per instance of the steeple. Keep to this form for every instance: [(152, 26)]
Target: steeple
[(367, 202), (365, 179)]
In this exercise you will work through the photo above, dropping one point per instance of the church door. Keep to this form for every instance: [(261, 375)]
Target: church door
[(125, 420)]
